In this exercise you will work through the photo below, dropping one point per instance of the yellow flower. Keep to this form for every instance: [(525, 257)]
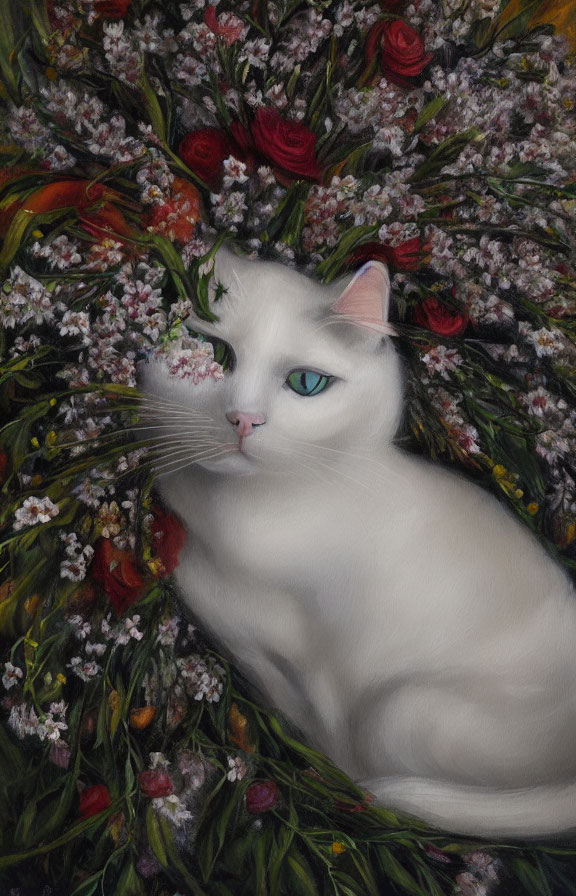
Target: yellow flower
[(338, 847), (533, 508)]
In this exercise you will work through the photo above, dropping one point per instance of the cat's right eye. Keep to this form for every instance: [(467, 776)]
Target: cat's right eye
[(308, 382)]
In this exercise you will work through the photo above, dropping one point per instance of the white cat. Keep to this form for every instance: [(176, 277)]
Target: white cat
[(398, 614)]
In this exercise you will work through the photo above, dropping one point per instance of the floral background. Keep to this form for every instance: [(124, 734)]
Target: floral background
[(137, 136)]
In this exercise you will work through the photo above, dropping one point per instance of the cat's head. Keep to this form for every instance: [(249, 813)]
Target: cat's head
[(313, 373)]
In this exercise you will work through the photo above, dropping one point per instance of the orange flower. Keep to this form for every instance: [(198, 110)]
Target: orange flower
[(177, 218), (81, 195), (143, 716), (238, 730)]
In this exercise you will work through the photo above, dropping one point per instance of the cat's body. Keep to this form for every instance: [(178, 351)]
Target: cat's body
[(411, 628)]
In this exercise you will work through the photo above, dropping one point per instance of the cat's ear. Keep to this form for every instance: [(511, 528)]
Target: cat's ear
[(366, 299)]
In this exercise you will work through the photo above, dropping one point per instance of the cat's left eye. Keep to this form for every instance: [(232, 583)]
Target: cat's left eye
[(308, 382)]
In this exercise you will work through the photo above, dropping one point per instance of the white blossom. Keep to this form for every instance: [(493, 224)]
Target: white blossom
[(12, 675), (34, 511)]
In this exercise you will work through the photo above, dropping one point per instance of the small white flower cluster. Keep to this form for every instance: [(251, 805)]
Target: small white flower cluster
[(448, 406), (441, 360), (125, 631), (23, 300), (483, 877), (237, 768), (188, 358), (24, 720), (78, 558), (202, 678), (35, 511), (12, 675)]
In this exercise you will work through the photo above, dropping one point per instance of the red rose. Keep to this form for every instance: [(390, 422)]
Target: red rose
[(117, 572), (94, 800), (405, 257), (402, 51), (204, 151), (435, 316), (155, 783), (169, 538), (287, 144), (261, 796)]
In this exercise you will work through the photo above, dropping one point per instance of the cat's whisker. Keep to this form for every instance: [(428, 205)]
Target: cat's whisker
[(331, 468), (138, 401), (308, 468), (380, 466), (150, 398), (290, 465), (225, 449), (136, 444)]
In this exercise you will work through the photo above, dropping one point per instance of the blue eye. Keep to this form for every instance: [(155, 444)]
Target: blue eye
[(307, 382)]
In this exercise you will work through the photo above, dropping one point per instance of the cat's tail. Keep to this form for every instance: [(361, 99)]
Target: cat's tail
[(541, 811)]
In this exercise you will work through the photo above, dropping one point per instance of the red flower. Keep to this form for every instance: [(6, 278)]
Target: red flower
[(169, 538), (288, 144), (112, 9), (94, 800), (230, 28), (155, 783), (402, 51), (435, 316), (204, 151), (261, 796), (3, 465), (118, 573), (405, 257)]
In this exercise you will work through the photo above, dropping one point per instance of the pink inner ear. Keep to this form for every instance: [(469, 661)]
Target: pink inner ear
[(366, 298)]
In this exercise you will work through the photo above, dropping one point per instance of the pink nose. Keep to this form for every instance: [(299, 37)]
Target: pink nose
[(245, 422)]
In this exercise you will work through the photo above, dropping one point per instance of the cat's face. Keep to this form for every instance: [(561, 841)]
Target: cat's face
[(306, 385)]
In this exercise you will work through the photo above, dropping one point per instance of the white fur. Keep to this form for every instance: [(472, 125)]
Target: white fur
[(398, 614)]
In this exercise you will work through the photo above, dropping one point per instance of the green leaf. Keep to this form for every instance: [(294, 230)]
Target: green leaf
[(397, 874), (300, 875), (349, 240), (363, 872), (68, 836), (532, 879), (214, 831), (152, 107), (444, 154), (278, 851), (155, 836), (23, 221), (129, 883), (259, 854), (430, 111)]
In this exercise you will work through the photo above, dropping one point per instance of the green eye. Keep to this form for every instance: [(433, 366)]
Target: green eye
[(307, 382)]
